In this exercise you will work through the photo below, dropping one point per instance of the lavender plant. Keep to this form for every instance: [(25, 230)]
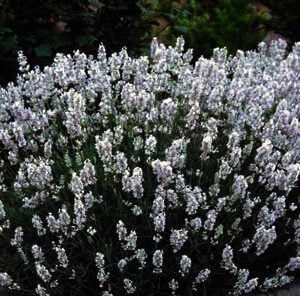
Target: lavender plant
[(153, 175)]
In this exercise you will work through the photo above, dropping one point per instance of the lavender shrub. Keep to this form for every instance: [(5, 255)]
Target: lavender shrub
[(154, 176)]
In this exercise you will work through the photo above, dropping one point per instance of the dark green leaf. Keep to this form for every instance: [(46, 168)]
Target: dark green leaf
[(181, 29), (44, 50)]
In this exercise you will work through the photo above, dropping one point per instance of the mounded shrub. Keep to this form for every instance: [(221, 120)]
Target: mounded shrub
[(152, 175)]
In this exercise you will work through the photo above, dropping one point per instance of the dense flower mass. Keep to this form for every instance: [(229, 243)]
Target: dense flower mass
[(153, 175)]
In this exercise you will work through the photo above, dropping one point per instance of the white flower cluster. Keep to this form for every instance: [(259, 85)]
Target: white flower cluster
[(157, 261), (102, 275), (128, 241), (201, 160)]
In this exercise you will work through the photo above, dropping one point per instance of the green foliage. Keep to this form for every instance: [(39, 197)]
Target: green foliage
[(208, 24), (43, 27)]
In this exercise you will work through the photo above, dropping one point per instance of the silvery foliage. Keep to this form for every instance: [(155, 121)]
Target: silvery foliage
[(156, 165)]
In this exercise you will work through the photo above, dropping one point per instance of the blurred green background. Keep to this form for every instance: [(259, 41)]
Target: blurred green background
[(43, 27)]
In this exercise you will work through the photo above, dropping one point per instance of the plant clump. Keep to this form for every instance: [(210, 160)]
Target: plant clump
[(151, 175)]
